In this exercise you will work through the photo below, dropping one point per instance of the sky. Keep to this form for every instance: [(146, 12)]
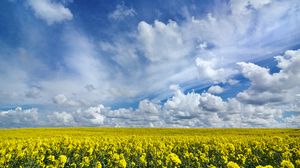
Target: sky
[(140, 63)]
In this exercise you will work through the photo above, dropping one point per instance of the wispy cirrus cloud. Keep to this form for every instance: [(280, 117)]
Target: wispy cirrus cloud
[(121, 12), (50, 11)]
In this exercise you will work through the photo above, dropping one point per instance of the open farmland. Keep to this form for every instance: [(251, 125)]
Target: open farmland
[(149, 147)]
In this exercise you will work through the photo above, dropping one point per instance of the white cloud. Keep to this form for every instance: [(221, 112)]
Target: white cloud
[(293, 121), (61, 99), (124, 54), (161, 42), (90, 81), (91, 116), (216, 89), (82, 57), (211, 102), (206, 110), (18, 84), (244, 7), (122, 12), (209, 70), (147, 114), (33, 92), (182, 104), (19, 118), (280, 87), (260, 77), (232, 82), (61, 119), (50, 11), (145, 106), (194, 110)]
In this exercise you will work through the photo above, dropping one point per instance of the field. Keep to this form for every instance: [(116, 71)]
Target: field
[(147, 147)]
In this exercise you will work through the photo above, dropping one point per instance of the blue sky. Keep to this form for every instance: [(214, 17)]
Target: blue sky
[(210, 63)]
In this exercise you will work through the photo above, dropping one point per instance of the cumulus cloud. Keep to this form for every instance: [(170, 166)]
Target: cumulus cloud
[(216, 89), (122, 12), (19, 118), (61, 119), (147, 114), (91, 116), (232, 82), (265, 87), (211, 102), (209, 70), (50, 11), (183, 105), (61, 99), (207, 110), (145, 106)]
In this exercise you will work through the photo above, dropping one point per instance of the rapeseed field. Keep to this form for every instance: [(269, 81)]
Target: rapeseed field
[(149, 147)]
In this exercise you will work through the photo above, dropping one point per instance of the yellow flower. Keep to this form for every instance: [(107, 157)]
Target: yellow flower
[(286, 164), (232, 165), (98, 164), (297, 162), (143, 159), (122, 163), (90, 151), (159, 162), (267, 166), (62, 159), (51, 158), (73, 165), (115, 157), (172, 157), (85, 161)]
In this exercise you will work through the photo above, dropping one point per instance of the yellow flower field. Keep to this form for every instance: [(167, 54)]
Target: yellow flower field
[(146, 147)]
